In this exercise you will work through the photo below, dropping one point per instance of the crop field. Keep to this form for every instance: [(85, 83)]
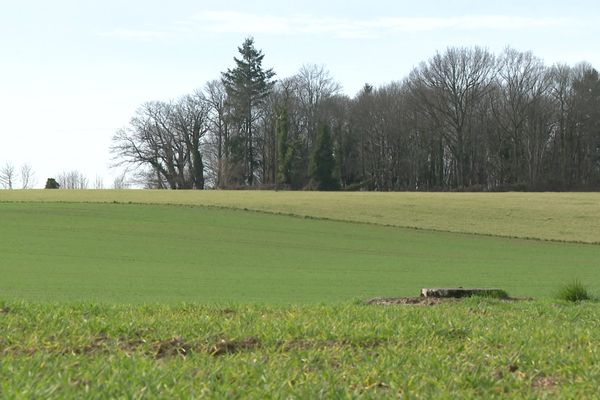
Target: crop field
[(550, 216), (475, 349), (161, 253), (143, 294)]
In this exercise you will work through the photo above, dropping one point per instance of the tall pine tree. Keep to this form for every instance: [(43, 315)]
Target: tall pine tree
[(247, 85)]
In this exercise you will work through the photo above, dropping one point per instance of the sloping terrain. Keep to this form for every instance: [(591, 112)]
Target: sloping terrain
[(161, 253), (550, 216)]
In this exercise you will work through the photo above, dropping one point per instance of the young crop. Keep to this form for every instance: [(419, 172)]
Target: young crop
[(140, 253), (476, 348)]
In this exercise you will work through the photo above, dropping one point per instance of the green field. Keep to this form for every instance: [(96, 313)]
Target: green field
[(148, 294), (550, 216), (161, 253)]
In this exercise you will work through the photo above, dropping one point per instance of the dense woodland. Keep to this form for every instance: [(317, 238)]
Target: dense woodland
[(465, 119)]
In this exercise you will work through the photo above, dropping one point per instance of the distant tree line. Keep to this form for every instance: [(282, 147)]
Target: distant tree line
[(11, 178), (466, 119), (75, 179), (24, 178)]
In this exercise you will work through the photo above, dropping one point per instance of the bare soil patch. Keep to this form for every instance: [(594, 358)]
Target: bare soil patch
[(417, 301), (428, 301), (172, 347), (307, 344), (233, 346), (545, 382)]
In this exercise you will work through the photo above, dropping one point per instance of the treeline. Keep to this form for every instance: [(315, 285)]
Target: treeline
[(465, 119), (11, 178), (25, 178)]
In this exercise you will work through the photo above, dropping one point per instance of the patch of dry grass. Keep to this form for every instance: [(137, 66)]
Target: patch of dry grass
[(573, 217)]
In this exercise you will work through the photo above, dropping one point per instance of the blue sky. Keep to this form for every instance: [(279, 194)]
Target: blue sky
[(73, 71)]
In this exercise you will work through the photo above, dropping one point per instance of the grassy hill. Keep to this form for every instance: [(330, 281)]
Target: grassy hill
[(550, 216), (161, 253), (150, 294)]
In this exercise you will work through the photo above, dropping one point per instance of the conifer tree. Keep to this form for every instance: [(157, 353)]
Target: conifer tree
[(52, 184), (247, 85), (322, 162)]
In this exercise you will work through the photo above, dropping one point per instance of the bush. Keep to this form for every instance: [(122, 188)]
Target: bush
[(574, 292), (52, 184)]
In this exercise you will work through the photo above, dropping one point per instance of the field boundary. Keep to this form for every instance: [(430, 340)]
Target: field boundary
[(306, 216)]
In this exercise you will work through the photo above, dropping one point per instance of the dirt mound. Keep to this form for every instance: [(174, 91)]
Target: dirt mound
[(418, 301), (428, 301)]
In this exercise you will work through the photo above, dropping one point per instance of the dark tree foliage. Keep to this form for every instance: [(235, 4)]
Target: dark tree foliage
[(247, 86), (52, 184), (286, 149), (322, 162)]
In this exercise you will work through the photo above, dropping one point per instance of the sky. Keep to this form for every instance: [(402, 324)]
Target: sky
[(73, 72)]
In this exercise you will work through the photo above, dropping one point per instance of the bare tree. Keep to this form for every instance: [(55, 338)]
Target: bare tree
[(7, 175), (73, 180), (190, 121), (449, 88), (121, 181), (561, 94), (27, 176), (218, 133), (98, 182), (167, 138), (313, 84), (280, 113), (148, 141), (519, 108)]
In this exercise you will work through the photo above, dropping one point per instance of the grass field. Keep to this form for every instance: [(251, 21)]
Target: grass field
[(161, 253), (475, 349), (135, 294), (552, 216)]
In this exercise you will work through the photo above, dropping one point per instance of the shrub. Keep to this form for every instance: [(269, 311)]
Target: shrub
[(52, 184), (574, 292)]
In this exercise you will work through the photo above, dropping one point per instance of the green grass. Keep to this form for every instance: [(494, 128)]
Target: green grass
[(550, 216), (127, 253), (474, 349), (106, 300), (573, 291)]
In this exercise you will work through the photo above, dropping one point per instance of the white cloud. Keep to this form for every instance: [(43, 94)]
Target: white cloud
[(139, 34), (475, 22), (221, 22), (236, 22)]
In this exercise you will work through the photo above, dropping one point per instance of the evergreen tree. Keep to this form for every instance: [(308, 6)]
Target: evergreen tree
[(52, 184), (247, 85), (286, 150), (322, 162)]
